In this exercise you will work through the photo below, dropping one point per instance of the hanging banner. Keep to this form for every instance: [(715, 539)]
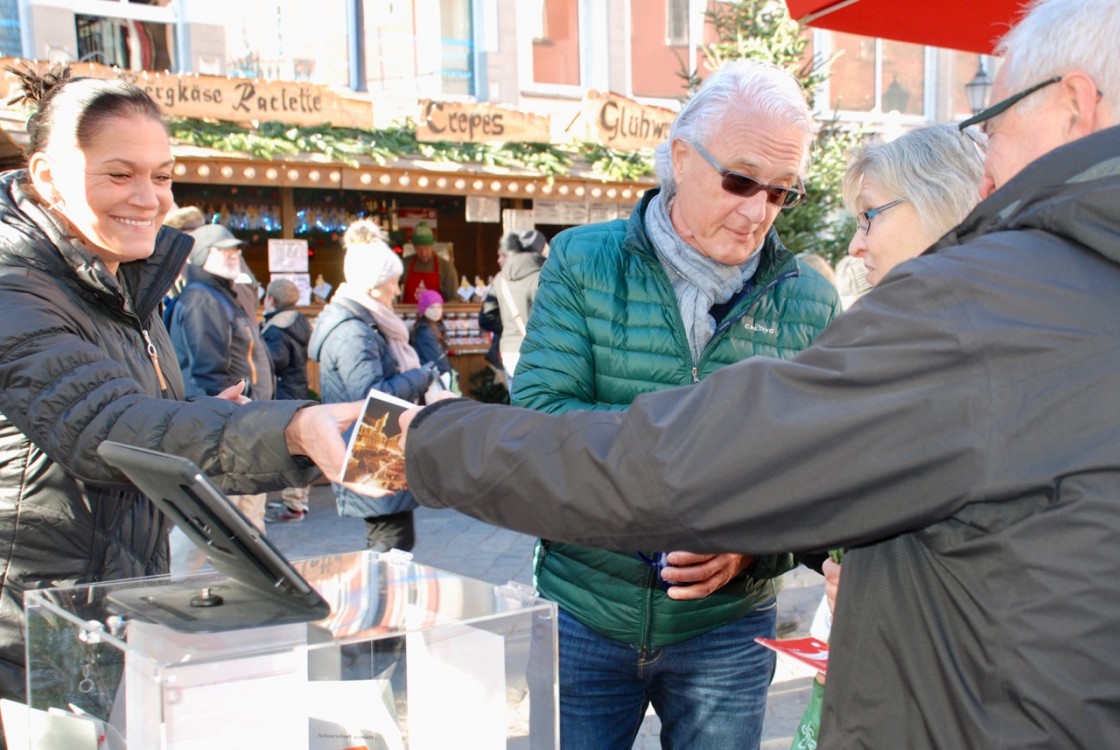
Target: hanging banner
[(624, 124), (220, 98), (462, 122)]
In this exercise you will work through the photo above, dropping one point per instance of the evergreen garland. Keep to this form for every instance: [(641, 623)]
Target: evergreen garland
[(277, 140)]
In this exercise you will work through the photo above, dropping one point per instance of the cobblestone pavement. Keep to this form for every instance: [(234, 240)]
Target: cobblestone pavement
[(454, 542)]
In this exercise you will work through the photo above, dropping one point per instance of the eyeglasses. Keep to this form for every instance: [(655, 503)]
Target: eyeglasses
[(863, 218), (1000, 107), (745, 187)]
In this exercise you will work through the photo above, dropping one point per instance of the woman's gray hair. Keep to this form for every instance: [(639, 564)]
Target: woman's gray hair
[(746, 87), (936, 168), (1057, 36)]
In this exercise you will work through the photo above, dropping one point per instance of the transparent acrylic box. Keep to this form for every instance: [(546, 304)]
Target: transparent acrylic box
[(411, 658)]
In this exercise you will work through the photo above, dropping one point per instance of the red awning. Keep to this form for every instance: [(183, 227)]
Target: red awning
[(972, 25)]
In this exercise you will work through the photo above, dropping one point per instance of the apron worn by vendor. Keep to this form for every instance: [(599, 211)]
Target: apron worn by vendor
[(417, 281)]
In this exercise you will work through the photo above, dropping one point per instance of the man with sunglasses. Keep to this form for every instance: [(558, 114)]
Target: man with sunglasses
[(957, 430), (694, 280)]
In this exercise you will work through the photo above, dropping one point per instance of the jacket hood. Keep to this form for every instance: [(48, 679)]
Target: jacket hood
[(292, 322), (1069, 192), (522, 265), (31, 237)]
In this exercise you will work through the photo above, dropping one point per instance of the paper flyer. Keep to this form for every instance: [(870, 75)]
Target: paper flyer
[(810, 651), (374, 458)]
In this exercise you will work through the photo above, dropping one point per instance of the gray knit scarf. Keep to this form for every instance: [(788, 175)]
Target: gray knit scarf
[(698, 281)]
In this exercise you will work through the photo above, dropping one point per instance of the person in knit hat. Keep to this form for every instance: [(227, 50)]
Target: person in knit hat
[(429, 334), (426, 269), (360, 344)]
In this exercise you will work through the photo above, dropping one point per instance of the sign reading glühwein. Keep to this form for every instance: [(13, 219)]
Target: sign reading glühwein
[(236, 99), (624, 124)]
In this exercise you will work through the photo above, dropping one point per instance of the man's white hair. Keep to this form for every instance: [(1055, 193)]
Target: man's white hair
[(746, 87), (1057, 36)]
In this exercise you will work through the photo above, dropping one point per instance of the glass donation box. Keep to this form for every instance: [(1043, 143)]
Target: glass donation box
[(410, 658)]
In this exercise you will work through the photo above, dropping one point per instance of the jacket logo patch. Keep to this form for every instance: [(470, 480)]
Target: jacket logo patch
[(750, 325)]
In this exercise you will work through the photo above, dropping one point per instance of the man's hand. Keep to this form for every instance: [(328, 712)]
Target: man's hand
[(316, 432), (698, 576), (235, 393)]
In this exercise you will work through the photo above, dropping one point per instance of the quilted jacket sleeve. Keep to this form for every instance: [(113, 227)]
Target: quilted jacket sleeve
[(556, 372), (67, 393)]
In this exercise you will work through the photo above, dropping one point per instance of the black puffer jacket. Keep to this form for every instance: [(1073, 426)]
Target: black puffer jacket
[(74, 371)]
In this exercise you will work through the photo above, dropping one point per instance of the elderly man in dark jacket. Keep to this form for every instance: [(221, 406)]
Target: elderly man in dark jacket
[(956, 430), (217, 345)]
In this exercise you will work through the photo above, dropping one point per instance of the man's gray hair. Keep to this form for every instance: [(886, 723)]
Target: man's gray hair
[(935, 167), (1057, 36), (284, 292), (745, 87)]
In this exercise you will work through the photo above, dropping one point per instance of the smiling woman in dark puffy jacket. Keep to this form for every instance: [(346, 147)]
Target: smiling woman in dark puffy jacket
[(84, 356)]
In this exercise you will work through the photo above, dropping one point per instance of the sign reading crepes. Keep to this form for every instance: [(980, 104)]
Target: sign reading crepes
[(624, 124), (460, 122), (237, 99)]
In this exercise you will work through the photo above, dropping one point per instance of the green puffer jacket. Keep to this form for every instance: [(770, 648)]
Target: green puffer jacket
[(606, 328)]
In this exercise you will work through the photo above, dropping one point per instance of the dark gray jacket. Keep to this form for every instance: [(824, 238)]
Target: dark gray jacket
[(958, 430), (74, 371)]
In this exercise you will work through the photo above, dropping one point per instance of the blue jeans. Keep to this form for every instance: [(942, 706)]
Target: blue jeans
[(708, 691)]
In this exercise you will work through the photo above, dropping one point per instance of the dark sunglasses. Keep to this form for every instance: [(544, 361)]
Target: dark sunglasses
[(1002, 106), (745, 187)]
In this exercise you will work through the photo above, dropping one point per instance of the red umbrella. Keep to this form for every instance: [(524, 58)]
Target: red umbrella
[(972, 25)]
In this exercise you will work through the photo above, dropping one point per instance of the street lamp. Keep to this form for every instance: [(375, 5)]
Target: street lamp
[(977, 89)]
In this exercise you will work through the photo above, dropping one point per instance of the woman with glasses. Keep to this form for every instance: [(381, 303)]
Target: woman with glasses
[(694, 280), (909, 192), (906, 194)]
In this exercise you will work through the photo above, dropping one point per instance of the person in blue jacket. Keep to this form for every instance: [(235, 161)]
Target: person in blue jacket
[(361, 344)]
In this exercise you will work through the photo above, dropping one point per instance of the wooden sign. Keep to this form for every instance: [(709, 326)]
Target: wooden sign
[(461, 122), (624, 124), (236, 99)]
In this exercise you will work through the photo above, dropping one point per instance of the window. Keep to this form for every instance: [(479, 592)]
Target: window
[(10, 43), (456, 42), (875, 75), (129, 44), (676, 22)]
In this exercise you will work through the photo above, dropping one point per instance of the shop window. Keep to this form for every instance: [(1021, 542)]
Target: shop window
[(126, 43)]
